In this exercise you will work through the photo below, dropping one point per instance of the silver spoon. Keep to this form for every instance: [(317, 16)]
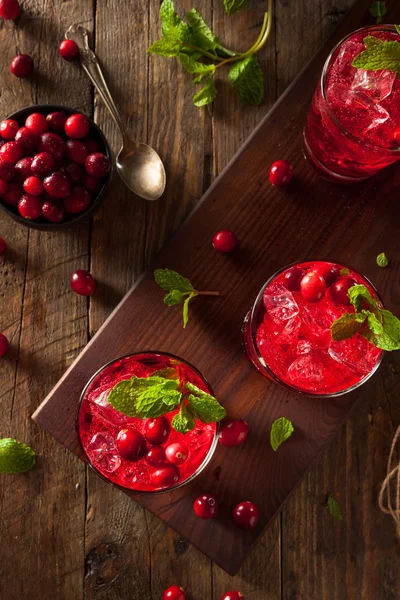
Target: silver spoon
[(139, 166)]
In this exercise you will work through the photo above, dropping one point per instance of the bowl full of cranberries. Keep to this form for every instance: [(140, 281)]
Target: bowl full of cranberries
[(55, 166)]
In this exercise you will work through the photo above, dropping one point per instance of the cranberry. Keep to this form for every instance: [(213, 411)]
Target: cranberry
[(7, 172), (83, 283), (8, 129), (176, 453), (157, 430), (206, 506), (224, 240), (156, 456), (26, 138), (57, 185), (91, 183), (53, 211), (97, 165), (232, 595), (3, 246), (74, 172), (11, 153), (9, 9), (69, 50), (33, 186), (281, 173), (165, 476), (292, 278), (328, 272), (174, 593), (78, 200), (30, 207), (13, 194), (77, 126), (312, 287), (21, 66), (76, 151), (56, 121), (23, 168), (4, 345), (245, 515), (37, 123), (91, 145), (339, 290), (131, 444), (3, 187), (233, 433), (42, 164), (52, 144)]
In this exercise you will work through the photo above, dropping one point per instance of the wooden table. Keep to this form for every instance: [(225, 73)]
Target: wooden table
[(64, 533)]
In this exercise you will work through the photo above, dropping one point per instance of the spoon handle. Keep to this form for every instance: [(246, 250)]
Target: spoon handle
[(89, 62)]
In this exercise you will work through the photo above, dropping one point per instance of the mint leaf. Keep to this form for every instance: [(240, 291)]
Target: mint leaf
[(183, 421), (186, 309), (193, 66), (156, 401), (397, 27), (202, 33), (167, 373), (379, 56), (382, 260), (247, 79), (174, 297), (200, 77), (135, 397), (334, 507), (172, 25), (347, 326), (15, 457), (281, 430), (370, 41), (232, 6), (206, 95), (204, 406), (359, 295), (171, 281), (378, 10), (165, 47), (384, 330)]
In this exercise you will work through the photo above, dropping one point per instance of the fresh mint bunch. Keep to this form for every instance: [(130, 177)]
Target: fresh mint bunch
[(156, 395), (179, 290), (379, 55), (378, 326), (333, 507), (201, 53), (15, 457), (378, 10), (281, 430)]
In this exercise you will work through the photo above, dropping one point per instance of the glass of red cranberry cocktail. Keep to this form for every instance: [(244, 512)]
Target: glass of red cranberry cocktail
[(353, 126), (144, 455), (287, 333)]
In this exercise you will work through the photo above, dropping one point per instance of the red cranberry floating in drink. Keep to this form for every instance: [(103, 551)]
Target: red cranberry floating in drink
[(156, 456), (53, 211), (37, 123), (9, 9), (26, 138), (3, 187), (232, 595), (69, 50), (56, 121), (78, 200), (97, 165), (77, 126), (281, 173), (157, 430), (42, 164), (7, 171), (292, 278), (131, 445), (176, 453), (83, 283), (313, 287), (225, 241), (11, 153), (30, 207), (13, 194), (175, 592), (8, 129), (4, 345), (205, 506), (165, 477), (33, 186), (76, 151), (328, 272), (3, 246), (22, 66), (233, 432), (53, 144), (245, 515), (340, 289), (57, 185)]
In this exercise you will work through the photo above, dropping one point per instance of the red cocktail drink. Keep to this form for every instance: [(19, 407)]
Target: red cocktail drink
[(100, 427), (287, 333), (353, 127)]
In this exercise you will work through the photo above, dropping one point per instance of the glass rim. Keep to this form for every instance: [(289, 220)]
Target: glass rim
[(180, 484), (331, 114), (263, 363)]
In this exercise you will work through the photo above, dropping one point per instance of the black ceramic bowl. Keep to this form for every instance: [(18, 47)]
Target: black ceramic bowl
[(95, 132)]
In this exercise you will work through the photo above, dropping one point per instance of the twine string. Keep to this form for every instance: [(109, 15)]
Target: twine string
[(390, 491)]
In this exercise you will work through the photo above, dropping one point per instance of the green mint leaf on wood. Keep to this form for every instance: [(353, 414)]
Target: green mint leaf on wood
[(382, 260), (15, 457), (172, 25), (206, 95), (347, 326), (383, 330), (186, 309), (378, 10), (333, 507), (247, 79), (173, 298), (202, 33), (204, 406), (281, 430), (232, 6), (184, 421), (379, 56), (193, 66), (165, 47)]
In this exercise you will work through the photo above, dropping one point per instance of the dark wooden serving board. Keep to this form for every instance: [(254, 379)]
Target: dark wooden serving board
[(308, 219)]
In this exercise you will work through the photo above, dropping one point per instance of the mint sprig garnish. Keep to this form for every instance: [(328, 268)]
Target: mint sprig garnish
[(156, 396), (179, 290), (281, 430), (15, 457), (377, 325), (379, 55), (201, 53), (333, 507), (378, 10)]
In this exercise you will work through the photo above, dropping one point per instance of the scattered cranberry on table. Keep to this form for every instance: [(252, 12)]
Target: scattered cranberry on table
[(69, 50), (165, 476), (157, 430), (245, 515), (33, 186), (4, 345), (156, 456), (97, 165), (281, 173), (233, 432), (8, 129), (174, 593), (30, 207), (131, 445), (176, 453), (22, 66), (3, 246), (232, 595), (205, 506), (313, 287), (37, 123), (77, 126), (225, 241), (9, 9), (339, 290), (83, 283)]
